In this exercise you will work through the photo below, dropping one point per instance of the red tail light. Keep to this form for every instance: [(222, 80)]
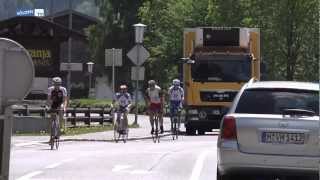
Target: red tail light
[(229, 129)]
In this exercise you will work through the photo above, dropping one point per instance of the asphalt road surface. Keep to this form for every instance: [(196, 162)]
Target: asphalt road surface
[(188, 158)]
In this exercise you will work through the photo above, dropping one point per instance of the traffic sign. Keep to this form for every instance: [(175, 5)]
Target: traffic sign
[(113, 56), (16, 71), (71, 66), (138, 50), (140, 73)]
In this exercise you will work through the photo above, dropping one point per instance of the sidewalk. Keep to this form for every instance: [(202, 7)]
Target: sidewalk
[(143, 132)]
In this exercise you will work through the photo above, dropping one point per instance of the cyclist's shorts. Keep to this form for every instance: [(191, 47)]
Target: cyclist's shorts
[(174, 106), (155, 107)]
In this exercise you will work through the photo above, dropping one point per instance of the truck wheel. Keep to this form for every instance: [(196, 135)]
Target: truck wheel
[(201, 132), (190, 130)]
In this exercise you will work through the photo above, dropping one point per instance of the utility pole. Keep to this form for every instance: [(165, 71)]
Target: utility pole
[(69, 50)]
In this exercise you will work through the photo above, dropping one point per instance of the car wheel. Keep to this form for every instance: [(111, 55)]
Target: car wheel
[(222, 177), (190, 130)]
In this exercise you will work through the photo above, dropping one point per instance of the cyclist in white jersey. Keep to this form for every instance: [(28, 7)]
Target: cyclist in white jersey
[(123, 101), (176, 97), (154, 97)]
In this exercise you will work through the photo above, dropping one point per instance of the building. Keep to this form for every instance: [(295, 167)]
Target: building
[(46, 39)]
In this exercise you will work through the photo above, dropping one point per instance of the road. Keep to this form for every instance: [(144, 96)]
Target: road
[(96, 156), (189, 158)]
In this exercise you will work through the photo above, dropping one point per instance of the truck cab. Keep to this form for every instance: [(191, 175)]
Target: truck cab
[(220, 61)]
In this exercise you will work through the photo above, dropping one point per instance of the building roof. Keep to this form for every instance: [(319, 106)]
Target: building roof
[(35, 26), (80, 21)]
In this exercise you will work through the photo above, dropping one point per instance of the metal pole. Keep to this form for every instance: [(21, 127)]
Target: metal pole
[(69, 60), (137, 84), (113, 89), (6, 142), (89, 84), (69, 50)]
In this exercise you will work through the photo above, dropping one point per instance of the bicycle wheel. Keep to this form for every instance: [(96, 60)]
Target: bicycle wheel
[(52, 132), (57, 133), (173, 132), (125, 135), (178, 126), (157, 129), (116, 134)]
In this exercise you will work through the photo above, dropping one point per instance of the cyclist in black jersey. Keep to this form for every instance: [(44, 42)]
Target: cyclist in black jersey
[(57, 97)]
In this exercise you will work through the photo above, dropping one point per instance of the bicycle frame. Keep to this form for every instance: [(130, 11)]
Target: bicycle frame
[(120, 132), (175, 123), (55, 129)]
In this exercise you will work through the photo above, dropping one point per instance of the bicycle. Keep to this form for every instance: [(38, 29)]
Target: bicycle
[(54, 128), (175, 123), (120, 133), (155, 135)]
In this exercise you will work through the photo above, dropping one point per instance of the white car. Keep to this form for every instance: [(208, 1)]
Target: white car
[(271, 132)]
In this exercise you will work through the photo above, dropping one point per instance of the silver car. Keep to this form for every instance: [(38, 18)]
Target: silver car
[(271, 132)]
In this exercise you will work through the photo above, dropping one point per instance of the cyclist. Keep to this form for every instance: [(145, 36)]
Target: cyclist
[(154, 98), (57, 98), (123, 100), (176, 97)]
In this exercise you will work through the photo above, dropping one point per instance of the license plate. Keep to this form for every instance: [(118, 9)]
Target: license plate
[(283, 138)]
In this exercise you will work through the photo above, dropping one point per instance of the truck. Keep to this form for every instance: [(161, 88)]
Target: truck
[(218, 61)]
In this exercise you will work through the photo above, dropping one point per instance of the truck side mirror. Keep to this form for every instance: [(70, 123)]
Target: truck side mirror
[(187, 60)]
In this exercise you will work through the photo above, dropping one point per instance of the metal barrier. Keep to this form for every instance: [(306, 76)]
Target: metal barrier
[(73, 115)]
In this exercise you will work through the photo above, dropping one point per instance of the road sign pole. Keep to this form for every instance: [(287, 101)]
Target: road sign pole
[(137, 85), (113, 89)]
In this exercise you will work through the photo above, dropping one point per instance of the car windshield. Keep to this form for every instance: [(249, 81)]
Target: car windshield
[(221, 70), (275, 101)]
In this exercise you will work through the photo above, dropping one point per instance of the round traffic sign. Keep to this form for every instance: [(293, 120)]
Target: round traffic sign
[(16, 71)]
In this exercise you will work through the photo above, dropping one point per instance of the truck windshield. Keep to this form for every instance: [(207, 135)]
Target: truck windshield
[(221, 70)]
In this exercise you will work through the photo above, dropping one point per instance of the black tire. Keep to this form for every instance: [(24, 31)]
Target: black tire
[(222, 177), (190, 130), (51, 142), (57, 143), (116, 134), (201, 132)]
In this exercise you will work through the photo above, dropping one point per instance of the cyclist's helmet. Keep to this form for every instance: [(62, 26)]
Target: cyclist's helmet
[(152, 82), (176, 82), (123, 87), (56, 81)]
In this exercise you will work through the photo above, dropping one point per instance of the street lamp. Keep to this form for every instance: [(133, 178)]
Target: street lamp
[(90, 70), (139, 30)]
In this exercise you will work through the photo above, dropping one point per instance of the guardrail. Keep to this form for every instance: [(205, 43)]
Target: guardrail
[(73, 115)]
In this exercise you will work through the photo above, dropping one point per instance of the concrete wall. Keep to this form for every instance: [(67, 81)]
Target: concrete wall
[(30, 124)]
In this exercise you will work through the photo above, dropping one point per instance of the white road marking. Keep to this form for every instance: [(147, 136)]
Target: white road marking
[(30, 175), (139, 172), (68, 160), (51, 166), (27, 144), (118, 168), (196, 172)]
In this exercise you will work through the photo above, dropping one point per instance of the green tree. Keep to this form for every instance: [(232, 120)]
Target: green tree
[(114, 31)]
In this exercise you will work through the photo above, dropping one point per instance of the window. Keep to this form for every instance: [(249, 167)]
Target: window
[(274, 101)]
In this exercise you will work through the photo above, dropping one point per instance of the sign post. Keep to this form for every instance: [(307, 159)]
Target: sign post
[(138, 55), (113, 58), (16, 77)]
